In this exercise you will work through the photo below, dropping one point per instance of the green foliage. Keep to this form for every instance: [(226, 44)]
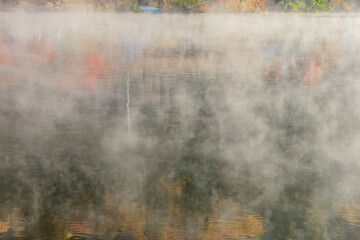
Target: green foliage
[(306, 5), (135, 7), (297, 6), (127, 6), (319, 5), (188, 5)]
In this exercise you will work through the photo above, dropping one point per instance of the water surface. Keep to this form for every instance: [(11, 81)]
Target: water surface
[(179, 126)]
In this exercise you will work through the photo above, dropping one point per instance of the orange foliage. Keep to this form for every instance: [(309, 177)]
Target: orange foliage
[(248, 5), (204, 9), (259, 5)]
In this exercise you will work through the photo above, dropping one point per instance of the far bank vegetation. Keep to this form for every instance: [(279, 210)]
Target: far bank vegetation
[(247, 6)]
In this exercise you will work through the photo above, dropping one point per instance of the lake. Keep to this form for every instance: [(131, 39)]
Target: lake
[(179, 126)]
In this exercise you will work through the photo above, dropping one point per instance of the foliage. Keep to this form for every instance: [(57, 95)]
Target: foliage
[(315, 5), (188, 5), (127, 6), (319, 5), (297, 6), (256, 6), (168, 4), (342, 4)]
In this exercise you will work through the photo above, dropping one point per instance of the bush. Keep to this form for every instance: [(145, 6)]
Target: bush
[(297, 6), (188, 5), (315, 5)]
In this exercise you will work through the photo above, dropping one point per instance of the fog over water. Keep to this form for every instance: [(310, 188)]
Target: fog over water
[(135, 126)]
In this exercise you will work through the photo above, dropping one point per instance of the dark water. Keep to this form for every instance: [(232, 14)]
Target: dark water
[(179, 127)]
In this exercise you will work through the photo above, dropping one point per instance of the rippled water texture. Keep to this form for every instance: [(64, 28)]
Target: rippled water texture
[(179, 126)]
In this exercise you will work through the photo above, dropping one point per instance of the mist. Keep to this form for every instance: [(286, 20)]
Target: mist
[(174, 126)]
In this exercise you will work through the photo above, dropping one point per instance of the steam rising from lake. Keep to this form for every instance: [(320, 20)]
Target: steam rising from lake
[(129, 126)]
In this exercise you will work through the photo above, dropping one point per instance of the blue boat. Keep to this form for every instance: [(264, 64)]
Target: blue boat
[(148, 9)]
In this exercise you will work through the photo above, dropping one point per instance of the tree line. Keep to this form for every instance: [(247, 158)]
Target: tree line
[(256, 6)]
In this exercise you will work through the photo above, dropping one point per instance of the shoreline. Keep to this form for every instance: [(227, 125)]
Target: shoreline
[(89, 7)]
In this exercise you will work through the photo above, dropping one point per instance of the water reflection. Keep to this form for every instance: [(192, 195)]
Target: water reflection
[(230, 223), (126, 131), (350, 214)]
